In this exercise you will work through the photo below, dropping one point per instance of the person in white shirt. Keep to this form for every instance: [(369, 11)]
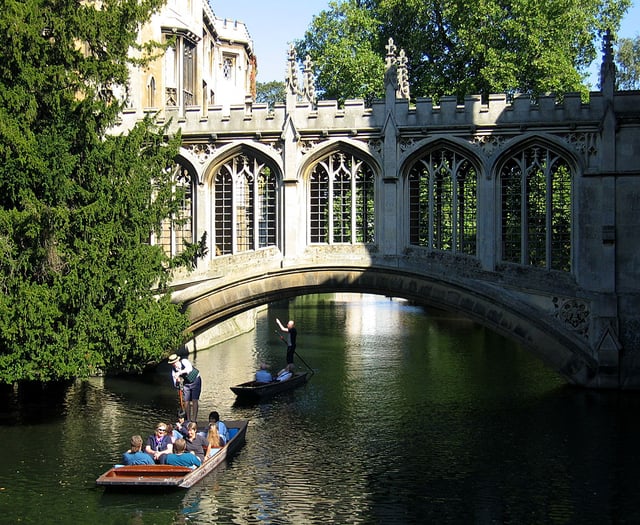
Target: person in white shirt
[(186, 377)]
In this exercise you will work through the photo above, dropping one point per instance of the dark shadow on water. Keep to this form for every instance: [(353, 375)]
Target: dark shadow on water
[(31, 402), (36, 403)]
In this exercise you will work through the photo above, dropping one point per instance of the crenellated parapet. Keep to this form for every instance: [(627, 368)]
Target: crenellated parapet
[(496, 113)]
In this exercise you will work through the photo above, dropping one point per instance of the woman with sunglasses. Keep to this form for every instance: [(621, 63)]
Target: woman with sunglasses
[(159, 444)]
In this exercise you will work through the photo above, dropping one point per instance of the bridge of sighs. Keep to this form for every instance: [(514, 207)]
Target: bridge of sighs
[(520, 214)]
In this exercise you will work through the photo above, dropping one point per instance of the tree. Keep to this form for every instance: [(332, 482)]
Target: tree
[(83, 291), (457, 47), (628, 63), (270, 92), (344, 45)]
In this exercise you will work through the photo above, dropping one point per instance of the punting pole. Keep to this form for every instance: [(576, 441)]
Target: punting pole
[(295, 352)]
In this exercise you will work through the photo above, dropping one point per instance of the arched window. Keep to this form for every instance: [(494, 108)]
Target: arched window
[(151, 93), (535, 186), (443, 202), (178, 229), (244, 200), (341, 200)]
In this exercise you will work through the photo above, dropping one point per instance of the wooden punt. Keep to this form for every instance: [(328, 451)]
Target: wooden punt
[(171, 476), (254, 390)]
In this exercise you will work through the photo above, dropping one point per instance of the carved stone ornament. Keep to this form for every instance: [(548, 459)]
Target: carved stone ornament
[(202, 152), (574, 313)]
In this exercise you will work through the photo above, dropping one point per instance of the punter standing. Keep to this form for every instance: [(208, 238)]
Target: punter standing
[(187, 377), (292, 333)]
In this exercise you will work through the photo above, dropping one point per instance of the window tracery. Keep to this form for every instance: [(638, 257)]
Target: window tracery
[(443, 202), (341, 200), (535, 186), (244, 201)]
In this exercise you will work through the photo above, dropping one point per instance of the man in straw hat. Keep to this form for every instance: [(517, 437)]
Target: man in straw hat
[(186, 377)]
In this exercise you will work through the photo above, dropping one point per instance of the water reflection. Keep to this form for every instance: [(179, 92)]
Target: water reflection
[(410, 417)]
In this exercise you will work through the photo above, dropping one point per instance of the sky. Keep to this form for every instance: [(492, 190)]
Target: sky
[(273, 24)]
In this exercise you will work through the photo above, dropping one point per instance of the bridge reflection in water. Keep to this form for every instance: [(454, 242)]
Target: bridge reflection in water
[(412, 416)]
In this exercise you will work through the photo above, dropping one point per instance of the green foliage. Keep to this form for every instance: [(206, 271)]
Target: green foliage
[(458, 47), (344, 45), (628, 63), (270, 92), (82, 290)]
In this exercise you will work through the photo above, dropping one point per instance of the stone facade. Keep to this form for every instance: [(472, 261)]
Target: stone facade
[(210, 66), (519, 213)]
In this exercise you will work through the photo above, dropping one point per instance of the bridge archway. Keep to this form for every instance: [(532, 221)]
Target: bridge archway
[(489, 307)]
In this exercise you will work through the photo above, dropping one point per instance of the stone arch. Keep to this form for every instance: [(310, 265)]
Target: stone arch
[(487, 305), (523, 141), (340, 179), (454, 143), (221, 155), (441, 179), (151, 93), (323, 149), (535, 183)]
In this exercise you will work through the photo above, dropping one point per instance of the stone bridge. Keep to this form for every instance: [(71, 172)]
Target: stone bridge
[(520, 214)]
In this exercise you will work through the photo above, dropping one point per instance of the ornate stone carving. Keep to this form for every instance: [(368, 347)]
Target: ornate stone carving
[(276, 146), (574, 313), (308, 90), (202, 152), (396, 72), (585, 143), (403, 76), (307, 145), (487, 143), (375, 146), (406, 143)]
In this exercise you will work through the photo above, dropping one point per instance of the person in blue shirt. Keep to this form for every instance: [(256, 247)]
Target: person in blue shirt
[(135, 455), (181, 458), (263, 375), (214, 417)]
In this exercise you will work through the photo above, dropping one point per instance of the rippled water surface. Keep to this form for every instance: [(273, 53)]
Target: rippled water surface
[(410, 417)]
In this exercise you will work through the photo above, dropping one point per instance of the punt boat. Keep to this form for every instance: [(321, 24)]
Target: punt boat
[(171, 476), (255, 390)]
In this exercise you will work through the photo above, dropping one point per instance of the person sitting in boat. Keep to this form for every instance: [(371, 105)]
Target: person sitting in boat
[(181, 424), (173, 433), (135, 455), (196, 443), (159, 444), (214, 417), (263, 375), (285, 373), (180, 457), (214, 440)]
